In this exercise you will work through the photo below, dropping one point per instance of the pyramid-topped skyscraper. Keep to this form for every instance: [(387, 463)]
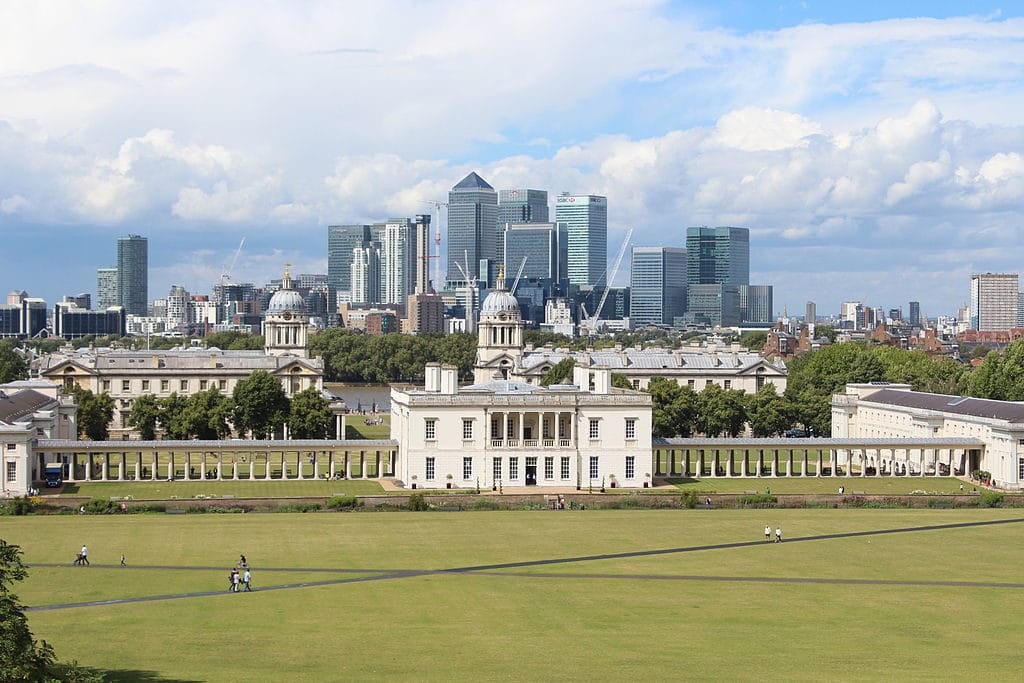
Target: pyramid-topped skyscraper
[(472, 230)]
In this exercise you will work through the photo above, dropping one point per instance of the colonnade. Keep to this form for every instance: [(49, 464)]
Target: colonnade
[(532, 429), (786, 461)]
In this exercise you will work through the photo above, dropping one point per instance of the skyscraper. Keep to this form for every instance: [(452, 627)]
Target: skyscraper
[(341, 240), (365, 277), (544, 247), (657, 285), (717, 264), (398, 260), (518, 207), (994, 301), (586, 220), (811, 313), (106, 288), (472, 228), (915, 313), (717, 256), (133, 274), (421, 226), (756, 303)]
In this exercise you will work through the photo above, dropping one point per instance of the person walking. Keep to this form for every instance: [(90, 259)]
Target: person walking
[(235, 580), (123, 563), (778, 534), (247, 580), (767, 533), (84, 556)]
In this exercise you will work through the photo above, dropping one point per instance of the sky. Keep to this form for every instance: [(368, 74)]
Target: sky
[(875, 150)]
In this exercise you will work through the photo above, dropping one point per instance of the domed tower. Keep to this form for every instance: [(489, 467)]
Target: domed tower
[(500, 336), (286, 323)]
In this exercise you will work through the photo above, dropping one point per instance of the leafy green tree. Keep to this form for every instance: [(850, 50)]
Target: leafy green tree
[(768, 413), (22, 657), (754, 341), (171, 417), (206, 415), (234, 340), (94, 414), (826, 332), (720, 411), (621, 381), (310, 415), (674, 408), (261, 406), (13, 365), (560, 373), (145, 416)]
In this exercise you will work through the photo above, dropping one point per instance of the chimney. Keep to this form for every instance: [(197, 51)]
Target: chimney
[(155, 362), (581, 378), (602, 380), (432, 379), (449, 380)]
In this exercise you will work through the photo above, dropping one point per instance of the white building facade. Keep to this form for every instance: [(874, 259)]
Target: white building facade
[(30, 410), (894, 410)]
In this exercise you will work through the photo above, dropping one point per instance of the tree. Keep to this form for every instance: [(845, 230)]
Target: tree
[(720, 411), (22, 657), (145, 416), (310, 416), (560, 373), (674, 408), (171, 419), (94, 413), (753, 340), (206, 415), (235, 341), (13, 365), (768, 413), (620, 381), (261, 406)]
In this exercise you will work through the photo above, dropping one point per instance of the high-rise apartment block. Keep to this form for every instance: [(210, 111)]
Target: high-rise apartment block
[(657, 285), (915, 314), (106, 288), (365, 275), (586, 220), (472, 230), (994, 301), (717, 264), (756, 303), (133, 274), (810, 313), (342, 240)]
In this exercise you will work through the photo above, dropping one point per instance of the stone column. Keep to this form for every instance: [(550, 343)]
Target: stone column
[(348, 465), (377, 469), (138, 466), (330, 463), (362, 464)]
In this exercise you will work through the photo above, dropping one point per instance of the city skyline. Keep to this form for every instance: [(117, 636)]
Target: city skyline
[(874, 153)]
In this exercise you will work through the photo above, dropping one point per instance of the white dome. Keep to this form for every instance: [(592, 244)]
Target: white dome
[(500, 302), (286, 300)]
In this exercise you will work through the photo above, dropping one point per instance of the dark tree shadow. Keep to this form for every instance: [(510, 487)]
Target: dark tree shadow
[(77, 672)]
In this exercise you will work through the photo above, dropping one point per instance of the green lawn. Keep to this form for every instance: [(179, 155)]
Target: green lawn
[(162, 490), (582, 620), (869, 485)]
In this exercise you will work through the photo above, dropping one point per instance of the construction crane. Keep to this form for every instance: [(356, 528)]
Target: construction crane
[(437, 241), (593, 321), (471, 286), (226, 275), (519, 274)]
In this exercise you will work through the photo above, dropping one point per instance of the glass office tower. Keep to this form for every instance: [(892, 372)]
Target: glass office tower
[(586, 219), (133, 274), (472, 228), (657, 285)]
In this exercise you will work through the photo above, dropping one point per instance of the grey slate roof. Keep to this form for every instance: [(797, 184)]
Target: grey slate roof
[(651, 359), (181, 359), (13, 407), (957, 405), (473, 182)]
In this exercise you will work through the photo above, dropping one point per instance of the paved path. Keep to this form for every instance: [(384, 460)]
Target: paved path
[(496, 569)]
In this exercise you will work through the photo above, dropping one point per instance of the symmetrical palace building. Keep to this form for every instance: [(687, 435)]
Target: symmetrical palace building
[(500, 431), (127, 375)]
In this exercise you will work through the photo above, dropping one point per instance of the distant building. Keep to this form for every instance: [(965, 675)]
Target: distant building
[(106, 287), (22, 317), (425, 314), (915, 314), (472, 230), (133, 274), (657, 285), (365, 277), (756, 303), (31, 410), (994, 301), (71, 322), (586, 220), (83, 300), (811, 313)]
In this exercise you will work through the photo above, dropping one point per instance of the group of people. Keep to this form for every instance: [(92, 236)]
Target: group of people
[(239, 581), (82, 559), (768, 534)]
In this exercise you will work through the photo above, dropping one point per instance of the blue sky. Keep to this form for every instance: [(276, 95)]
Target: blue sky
[(874, 149)]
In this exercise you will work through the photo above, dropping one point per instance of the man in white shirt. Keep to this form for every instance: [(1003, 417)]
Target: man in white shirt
[(84, 555), (767, 534)]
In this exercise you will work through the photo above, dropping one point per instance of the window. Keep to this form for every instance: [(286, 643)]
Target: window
[(430, 469), (12, 471), (708, 383), (692, 383), (183, 385), (630, 428), (12, 446), (728, 384), (513, 468), (1020, 470), (105, 385), (511, 431), (565, 468), (593, 467), (467, 468), (496, 468), (165, 385), (636, 384), (222, 384), (202, 385), (467, 430), (630, 466), (430, 430), (549, 467), (126, 385), (145, 385), (595, 428)]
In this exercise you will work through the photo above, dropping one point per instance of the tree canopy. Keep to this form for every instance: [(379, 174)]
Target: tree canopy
[(309, 415), (260, 405), (94, 413), (22, 657), (13, 365)]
